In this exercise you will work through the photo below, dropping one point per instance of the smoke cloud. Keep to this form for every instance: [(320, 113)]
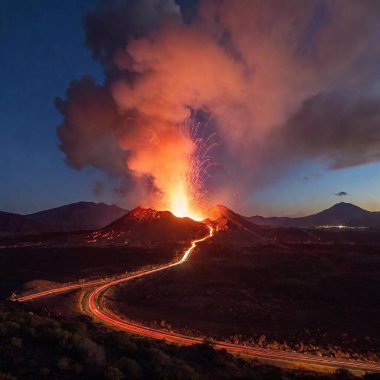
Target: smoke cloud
[(341, 194), (283, 81)]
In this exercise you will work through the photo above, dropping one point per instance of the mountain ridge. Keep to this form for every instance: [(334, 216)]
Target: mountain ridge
[(342, 213), (16, 224), (79, 216), (98, 216)]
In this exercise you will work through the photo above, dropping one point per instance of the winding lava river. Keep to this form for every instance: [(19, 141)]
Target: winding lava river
[(93, 305)]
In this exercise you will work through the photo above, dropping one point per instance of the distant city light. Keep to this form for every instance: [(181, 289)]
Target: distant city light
[(340, 226)]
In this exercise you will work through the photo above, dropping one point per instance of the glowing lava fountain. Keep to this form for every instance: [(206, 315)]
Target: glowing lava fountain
[(187, 195)]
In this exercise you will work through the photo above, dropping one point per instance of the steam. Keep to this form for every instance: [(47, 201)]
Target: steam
[(284, 81)]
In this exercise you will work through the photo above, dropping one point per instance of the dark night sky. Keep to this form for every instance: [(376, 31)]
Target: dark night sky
[(42, 50), (42, 46)]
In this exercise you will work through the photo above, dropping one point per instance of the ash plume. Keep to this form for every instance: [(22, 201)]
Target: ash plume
[(284, 81)]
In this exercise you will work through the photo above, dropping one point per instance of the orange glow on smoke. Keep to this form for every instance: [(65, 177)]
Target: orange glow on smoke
[(178, 190), (168, 158)]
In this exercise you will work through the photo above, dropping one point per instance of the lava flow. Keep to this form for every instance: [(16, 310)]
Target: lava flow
[(71, 287), (194, 244), (93, 299)]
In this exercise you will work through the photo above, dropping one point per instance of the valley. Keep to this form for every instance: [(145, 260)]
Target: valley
[(269, 289)]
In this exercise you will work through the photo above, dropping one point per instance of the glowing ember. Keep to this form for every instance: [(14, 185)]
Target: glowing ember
[(177, 160), (186, 197)]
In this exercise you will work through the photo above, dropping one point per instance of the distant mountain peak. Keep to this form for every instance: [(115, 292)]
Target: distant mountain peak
[(342, 213), (346, 206), (344, 210), (78, 216), (15, 224)]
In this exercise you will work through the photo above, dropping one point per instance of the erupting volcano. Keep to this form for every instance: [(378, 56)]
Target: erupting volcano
[(231, 124), (176, 159), (146, 226)]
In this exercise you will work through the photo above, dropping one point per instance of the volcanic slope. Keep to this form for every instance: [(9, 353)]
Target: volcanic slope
[(235, 230), (144, 226), (15, 224)]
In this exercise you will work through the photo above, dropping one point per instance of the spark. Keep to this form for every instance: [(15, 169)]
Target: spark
[(189, 194)]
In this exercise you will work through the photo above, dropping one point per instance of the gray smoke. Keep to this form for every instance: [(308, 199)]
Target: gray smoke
[(284, 81)]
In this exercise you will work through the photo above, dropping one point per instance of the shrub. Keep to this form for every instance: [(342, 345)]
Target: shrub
[(130, 368), (113, 373)]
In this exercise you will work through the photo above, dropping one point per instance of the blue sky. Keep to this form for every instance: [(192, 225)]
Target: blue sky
[(42, 46), (42, 50), (312, 188)]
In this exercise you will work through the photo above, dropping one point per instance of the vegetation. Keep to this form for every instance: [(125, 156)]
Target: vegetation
[(320, 299), (37, 347)]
